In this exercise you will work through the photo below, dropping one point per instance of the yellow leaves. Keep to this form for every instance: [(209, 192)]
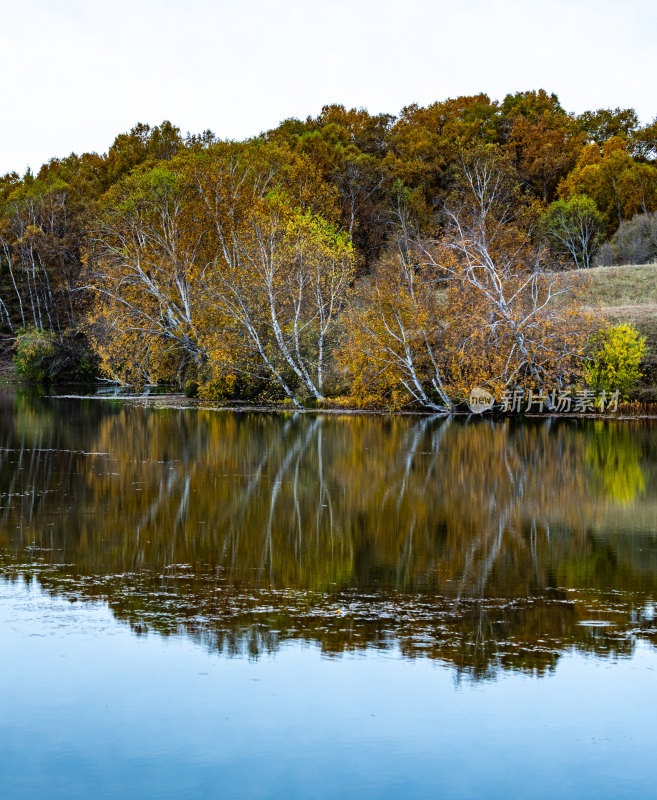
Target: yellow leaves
[(218, 387), (393, 326), (616, 358), (616, 144), (452, 323), (216, 264)]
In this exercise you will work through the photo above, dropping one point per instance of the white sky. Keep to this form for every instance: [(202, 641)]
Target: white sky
[(75, 73)]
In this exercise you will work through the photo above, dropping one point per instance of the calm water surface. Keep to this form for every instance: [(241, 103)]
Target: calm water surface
[(201, 604)]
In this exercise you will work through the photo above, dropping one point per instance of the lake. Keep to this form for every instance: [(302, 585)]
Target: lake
[(199, 603)]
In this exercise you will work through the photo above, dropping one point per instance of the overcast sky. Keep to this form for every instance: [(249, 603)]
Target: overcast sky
[(75, 73)]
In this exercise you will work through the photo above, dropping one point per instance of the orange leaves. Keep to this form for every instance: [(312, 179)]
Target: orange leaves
[(544, 150), (620, 186), (470, 308), (394, 329)]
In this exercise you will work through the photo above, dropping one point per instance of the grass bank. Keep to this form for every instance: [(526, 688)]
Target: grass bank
[(628, 294)]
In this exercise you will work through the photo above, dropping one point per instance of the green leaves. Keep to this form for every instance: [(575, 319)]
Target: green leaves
[(574, 227)]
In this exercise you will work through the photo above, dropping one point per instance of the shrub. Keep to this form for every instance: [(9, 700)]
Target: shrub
[(635, 242), (219, 388), (191, 389), (40, 357), (616, 354)]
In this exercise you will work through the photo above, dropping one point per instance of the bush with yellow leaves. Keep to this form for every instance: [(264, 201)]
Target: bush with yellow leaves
[(615, 359)]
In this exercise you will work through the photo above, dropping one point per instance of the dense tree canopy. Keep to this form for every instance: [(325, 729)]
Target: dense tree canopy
[(187, 258)]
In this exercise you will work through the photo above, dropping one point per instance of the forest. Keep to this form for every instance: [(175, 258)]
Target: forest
[(348, 260)]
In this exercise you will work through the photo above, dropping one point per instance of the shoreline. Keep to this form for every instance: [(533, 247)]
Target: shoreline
[(181, 403)]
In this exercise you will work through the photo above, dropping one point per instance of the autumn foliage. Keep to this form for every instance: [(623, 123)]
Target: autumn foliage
[(392, 261)]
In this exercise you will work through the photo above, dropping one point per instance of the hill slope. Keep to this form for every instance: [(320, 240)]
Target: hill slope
[(629, 294)]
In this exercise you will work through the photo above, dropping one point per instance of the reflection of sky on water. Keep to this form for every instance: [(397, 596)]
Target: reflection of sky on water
[(90, 709)]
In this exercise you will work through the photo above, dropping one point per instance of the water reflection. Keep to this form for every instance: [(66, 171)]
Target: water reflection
[(485, 544)]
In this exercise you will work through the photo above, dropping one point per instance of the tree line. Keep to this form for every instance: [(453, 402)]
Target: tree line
[(386, 260)]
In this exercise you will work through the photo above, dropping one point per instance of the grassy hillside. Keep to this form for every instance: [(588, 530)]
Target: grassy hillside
[(624, 286), (629, 294)]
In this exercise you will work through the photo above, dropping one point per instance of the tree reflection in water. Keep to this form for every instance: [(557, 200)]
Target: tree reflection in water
[(483, 543)]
